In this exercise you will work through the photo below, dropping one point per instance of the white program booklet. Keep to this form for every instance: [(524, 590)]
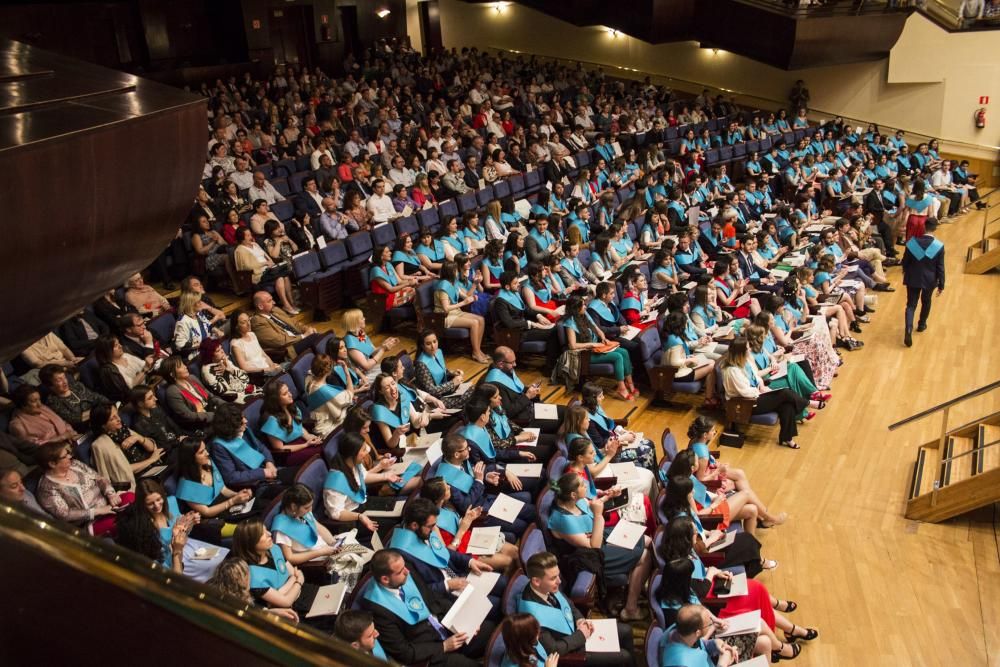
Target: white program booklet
[(462, 389), (468, 613), (742, 624), (546, 411), (484, 582), (328, 600), (631, 332), (727, 539), (626, 534), (604, 639), (759, 661), (525, 469), (534, 431), (483, 541), (505, 508), (154, 471)]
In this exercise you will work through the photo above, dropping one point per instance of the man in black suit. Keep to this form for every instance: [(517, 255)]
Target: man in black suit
[(879, 206), (564, 630), (407, 618), (923, 270), (510, 312), (310, 200)]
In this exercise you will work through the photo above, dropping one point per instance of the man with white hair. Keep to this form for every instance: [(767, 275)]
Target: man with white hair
[(261, 188)]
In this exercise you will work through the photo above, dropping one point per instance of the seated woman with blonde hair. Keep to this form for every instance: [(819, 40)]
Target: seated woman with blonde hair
[(232, 577)]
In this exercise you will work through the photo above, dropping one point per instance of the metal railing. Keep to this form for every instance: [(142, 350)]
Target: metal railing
[(945, 410), (759, 101)]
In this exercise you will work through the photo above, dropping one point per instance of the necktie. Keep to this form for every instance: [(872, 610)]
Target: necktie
[(289, 329), (431, 618)]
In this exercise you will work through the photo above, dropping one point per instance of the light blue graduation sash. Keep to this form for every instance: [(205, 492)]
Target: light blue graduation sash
[(678, 209), (433, 552), (622, 246), (674, 654), (242, 450), (540, 657), (501, 425), (166, 534), (512, 382), (543, 294), (342, 376), (266, 577), (708, 319), (379, 652), (386, 273), (405, 258), (448, 521), (272, 428), (302, 531), (494, 269), (459, 477), (558, 620), (689, 331), (411, 612), (919, 253), (605, 312), (323, 394), (573, 267), (382, 414), (601, 420), (456, 243), (674, 339), (352, 342), (479, 437), (572, 524), (513, 298), (448, 288), (196, 492), (411, 471), (478, 234), (337, 481), (668, 271), (543, 240), (685, 257), (583, 228), (435, 253), (919, 205), (761, 359), (630, 303), (435, 365), (751, 376)]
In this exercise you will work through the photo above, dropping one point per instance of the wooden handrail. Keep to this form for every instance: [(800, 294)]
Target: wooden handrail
[(947, 404)]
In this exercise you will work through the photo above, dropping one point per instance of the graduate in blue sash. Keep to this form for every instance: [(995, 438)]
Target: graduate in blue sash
[(473, 233), (522, 643), (582, 334), (540, 242), (491, 268), (364, 354), (430, 251), (577, 224), (514, 256), (432, 375), (688, 643), (570, 269), (357, 628), (456, 529), (452, 239), (398, 289), (336, 349), (345, 489), (200, 489), (471, 486), (274, 582), (407, 617), (395, 414), (605, 314), (923, 271), (601, 429), (328, 405), (469, 284), (241, 459), (511, 313), (281, 426), (296, 530), (406, 261), (450, 301), (483, 448), (576, 523), (154, 527), (443, 570), (564, 630)]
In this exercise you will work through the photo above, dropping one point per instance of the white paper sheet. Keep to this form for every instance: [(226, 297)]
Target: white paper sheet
[(626, 534), (397, 510), (737, 588), (525, 469), (605, 636), (742, 623), (505, 508), (468, 613), (328, 600), (546, 411)]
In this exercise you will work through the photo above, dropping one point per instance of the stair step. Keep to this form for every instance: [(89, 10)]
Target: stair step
[(992, 244), (927, 459), (958, 469), (989, 458)]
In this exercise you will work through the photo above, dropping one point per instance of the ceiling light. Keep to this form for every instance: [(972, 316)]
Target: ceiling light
[(382, 13)]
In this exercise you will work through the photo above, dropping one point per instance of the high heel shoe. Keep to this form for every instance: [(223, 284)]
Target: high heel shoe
[(776, 655), (810, 635), (820, 396)]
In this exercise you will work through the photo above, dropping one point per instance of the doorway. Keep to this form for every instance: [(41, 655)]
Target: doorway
[(430, 26), (352, 36), (292, 35)]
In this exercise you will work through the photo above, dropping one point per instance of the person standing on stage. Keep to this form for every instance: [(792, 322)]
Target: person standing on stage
[(923, 270)]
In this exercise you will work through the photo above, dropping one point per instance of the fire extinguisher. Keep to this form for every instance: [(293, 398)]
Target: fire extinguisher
[(980, 117)]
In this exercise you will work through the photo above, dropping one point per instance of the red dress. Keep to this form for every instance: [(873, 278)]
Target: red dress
[(757, 598), (739, 312)]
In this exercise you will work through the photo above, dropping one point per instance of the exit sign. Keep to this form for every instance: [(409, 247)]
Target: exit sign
[(984, 99)]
